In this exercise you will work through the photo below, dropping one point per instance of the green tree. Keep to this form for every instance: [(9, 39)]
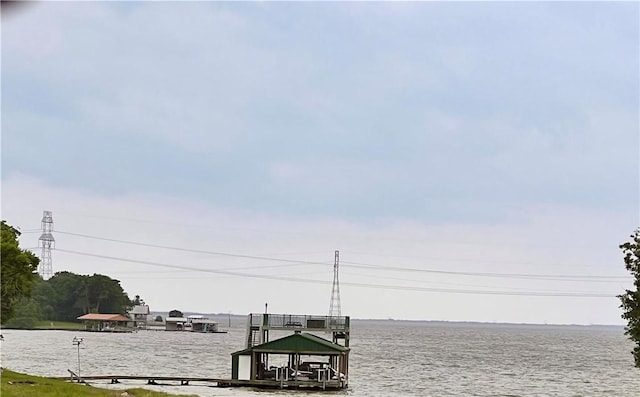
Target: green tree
[(70, 296), (630, 300), (44, 296), (107, 296), (138, 301), (18, 271), (175, 313), (75, 295), (27, 314)]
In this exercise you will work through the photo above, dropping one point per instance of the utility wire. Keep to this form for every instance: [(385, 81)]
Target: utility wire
[(464, 260), (453, 283), (264, 258), (552, 277), (182, 267), (484, 274), (363, 285)]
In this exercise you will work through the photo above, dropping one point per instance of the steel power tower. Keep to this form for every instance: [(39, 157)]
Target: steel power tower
[(334, 308), (46, 242)]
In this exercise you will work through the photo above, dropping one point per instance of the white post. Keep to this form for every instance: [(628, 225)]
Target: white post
[(76, 342)]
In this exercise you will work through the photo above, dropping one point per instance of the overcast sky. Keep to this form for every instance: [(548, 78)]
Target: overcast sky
[(470, 161)]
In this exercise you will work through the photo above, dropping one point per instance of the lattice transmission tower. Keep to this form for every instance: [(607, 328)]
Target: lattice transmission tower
[(334, 308), (47, 243)]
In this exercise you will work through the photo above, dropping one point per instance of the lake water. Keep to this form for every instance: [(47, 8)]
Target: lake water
[(387, 358)]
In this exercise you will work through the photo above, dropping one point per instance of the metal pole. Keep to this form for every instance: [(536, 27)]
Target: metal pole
[(77, 341)]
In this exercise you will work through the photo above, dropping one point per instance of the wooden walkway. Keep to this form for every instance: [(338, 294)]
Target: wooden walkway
[(218, 382), (151, 380)]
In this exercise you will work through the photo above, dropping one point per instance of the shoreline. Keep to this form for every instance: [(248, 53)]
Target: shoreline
[(21, 384)]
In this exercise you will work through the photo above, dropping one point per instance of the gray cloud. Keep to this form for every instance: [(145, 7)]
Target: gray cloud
[(427, 111)]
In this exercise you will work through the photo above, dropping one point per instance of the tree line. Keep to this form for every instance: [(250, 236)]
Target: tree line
[(27, 298), (67, 296), (630, 300)]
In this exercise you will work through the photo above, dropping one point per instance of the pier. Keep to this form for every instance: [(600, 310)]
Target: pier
[(214, 382), (300, 360), (150, 380)]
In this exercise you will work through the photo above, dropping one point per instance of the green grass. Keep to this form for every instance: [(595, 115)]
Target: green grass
[(14, 384), (46, 324)]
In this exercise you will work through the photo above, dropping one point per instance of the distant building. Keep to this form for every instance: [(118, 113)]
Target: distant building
[(197, 323), (176, 324), (105, 322), (139, 316)]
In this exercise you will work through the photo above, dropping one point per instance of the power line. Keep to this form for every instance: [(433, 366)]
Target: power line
[(558, 277), (180, 224), (452, 283), (551, 277), (363, 285), (155, 275), (182, 267), (473, 285), (484, 292), (264, 258), (464, 260)]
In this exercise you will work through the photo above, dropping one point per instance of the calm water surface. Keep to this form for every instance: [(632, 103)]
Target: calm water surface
[(387, 358)]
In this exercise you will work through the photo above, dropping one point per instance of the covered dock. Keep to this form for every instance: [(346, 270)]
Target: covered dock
[(105, 322), (176, 324), (300, 360)]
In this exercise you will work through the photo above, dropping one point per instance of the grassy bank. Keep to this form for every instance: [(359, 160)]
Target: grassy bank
[(14, 384), (58, 325), (46, 324)]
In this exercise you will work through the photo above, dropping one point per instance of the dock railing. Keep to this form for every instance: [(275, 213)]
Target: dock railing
[(294, 321)]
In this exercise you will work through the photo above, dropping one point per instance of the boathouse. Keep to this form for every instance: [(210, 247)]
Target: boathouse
[(176, 323), (202, 324), (104, 322), (303, 360), (139, 316)]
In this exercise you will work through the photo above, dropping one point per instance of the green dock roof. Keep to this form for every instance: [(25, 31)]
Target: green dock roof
[(297, 343)]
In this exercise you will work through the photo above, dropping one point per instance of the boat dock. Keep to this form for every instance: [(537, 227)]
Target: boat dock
[(150, 380), (300, 360), (214, 382)]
